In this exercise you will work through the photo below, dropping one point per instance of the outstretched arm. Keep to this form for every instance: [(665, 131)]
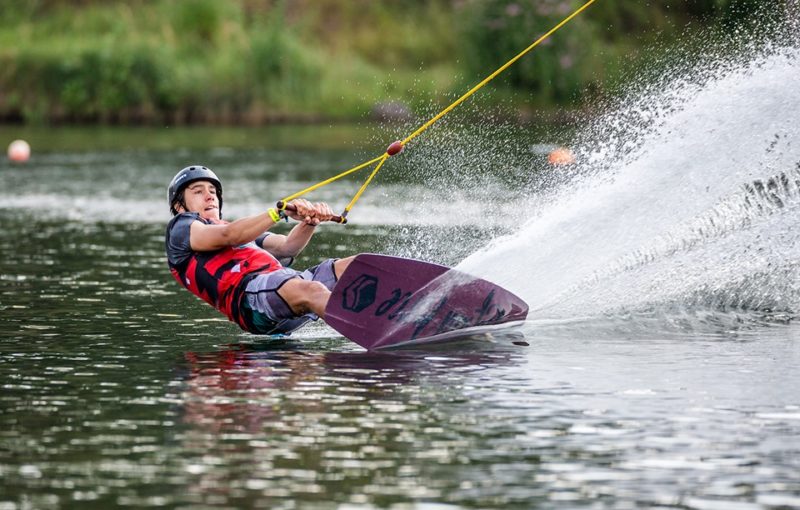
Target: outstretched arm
[(282, 246), (204, 237), (292, 244)]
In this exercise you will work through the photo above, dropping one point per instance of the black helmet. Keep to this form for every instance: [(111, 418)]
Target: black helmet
[(187, 176)]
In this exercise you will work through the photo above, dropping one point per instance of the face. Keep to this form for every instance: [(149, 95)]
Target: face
[(201, 197)]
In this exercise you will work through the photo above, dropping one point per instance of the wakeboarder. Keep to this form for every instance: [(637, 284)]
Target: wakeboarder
[(239, 267)]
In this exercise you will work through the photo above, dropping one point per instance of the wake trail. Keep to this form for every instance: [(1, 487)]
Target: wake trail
[(686, 196)]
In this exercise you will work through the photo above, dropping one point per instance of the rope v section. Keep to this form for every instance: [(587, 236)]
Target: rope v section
[(398, 146)]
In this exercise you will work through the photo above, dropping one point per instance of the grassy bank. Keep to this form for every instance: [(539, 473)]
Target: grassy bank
[(259, 61)]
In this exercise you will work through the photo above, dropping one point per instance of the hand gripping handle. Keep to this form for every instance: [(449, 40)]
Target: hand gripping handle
[(283, 206)]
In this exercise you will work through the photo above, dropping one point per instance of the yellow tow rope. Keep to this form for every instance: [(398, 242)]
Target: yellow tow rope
[(397, 147)]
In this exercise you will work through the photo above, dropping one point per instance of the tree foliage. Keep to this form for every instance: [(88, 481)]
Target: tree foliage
[(261, 60)]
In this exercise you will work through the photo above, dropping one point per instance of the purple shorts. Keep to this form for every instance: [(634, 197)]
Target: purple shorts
[(271, 314)]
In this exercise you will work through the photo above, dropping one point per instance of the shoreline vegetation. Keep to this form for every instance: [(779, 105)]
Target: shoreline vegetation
[(261, 62)]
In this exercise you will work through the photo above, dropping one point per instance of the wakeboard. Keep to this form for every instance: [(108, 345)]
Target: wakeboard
[(382, 301)]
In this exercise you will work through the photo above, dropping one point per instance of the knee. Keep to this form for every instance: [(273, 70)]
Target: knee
[(340, 266), (313, 290), (304, 296)]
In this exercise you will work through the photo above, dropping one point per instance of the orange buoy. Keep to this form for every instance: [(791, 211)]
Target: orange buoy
[(561, 156), (19, 151)]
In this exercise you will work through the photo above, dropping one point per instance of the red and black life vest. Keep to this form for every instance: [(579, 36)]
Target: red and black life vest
[(219, 277)]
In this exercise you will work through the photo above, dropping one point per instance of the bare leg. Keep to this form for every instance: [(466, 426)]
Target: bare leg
[(340, 265), (304, 296)]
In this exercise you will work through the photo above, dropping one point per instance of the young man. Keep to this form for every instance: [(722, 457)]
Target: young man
[(234, 266)]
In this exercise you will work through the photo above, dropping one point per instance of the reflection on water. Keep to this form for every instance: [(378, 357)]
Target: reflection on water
[(329, 426)]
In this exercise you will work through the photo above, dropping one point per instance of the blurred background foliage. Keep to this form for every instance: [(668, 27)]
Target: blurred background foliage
[(263, 61)]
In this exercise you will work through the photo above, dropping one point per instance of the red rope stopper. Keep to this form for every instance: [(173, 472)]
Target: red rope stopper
[(395, 148)]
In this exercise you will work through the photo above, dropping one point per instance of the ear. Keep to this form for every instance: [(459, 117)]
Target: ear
[(178, 206)]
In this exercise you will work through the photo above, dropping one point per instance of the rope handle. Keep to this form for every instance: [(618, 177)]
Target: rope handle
[(285, 206)]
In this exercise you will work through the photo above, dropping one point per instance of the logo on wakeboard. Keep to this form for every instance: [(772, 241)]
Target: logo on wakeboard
[(360, 293)]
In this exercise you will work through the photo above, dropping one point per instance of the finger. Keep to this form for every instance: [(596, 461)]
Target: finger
[(302, 205), (324, 210)]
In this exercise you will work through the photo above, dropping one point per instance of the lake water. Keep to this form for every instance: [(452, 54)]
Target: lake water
[(661, 365)]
